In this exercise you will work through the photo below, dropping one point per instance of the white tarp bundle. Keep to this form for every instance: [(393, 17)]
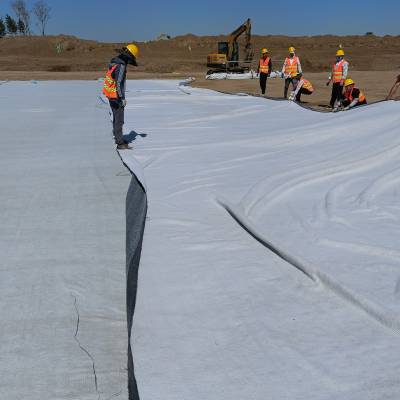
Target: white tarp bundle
[(270, 266), (246, 75)]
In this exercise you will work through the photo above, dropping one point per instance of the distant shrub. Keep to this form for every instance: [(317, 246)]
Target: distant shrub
[(2, 28), (12, 27)]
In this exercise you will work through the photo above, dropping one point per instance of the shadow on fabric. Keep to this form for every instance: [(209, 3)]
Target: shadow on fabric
[(132, 135)]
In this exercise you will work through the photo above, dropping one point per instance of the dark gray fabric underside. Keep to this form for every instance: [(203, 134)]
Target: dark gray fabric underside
[(136, 210)]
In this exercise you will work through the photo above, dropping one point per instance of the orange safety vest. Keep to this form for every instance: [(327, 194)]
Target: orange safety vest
[(349, 96), (337, 71), (264, 65), (110, 84), (307, 85), (291, 65)]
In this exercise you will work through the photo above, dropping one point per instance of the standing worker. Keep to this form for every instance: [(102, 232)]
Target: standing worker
[(353, 96), (291, 67), (303, 87), (264, 69), (114, 90), (338, 75)]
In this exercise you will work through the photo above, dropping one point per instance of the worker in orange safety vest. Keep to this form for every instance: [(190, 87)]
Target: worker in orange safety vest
[(338, 75), (353, 96), (303, 87), (291, 67), (114, 90), (264, 69)]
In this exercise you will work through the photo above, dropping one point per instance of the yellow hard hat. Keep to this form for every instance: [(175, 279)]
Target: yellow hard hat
[(292, 49), (133, 49), (340, 53), (348, 82), (264, 50)]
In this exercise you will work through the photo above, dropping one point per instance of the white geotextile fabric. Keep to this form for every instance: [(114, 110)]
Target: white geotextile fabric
[(62, 244), (270, 266), (220, 315), (225, 75)]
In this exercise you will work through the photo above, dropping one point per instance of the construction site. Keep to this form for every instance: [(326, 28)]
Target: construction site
[(200, 217), (374, 61)]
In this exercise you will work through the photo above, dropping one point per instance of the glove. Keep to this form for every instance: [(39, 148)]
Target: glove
[(123, 102)]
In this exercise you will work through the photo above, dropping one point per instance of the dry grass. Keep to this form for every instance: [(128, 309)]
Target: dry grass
[(187, 54)]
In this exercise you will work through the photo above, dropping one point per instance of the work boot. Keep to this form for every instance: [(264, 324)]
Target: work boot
[(123, 146)]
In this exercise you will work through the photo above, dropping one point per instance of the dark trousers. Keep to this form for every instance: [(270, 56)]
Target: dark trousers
[(337, 94), (263, 81), (289, 81), (118, 120), (302, 91)]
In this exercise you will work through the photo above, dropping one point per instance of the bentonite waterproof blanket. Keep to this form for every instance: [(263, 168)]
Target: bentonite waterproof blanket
[(270, 262), (270, 266)]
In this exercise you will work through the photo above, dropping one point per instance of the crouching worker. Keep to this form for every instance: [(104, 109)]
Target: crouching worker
[(353, 96), (114, 90), (303, 87)]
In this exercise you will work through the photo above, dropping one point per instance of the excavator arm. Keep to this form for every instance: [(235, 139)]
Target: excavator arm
[(233, 54), (246, 27)]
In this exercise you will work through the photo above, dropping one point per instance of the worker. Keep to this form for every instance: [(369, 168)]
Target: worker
[(114, 90), (338, 75), (394, 88), (353, 96), (303, 87), (291, 67), (264, 69)]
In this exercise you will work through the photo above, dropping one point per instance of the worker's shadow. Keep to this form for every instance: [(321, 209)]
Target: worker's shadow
[(132, 135)]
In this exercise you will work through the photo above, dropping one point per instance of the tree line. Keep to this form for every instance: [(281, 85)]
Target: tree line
[(21, 24)]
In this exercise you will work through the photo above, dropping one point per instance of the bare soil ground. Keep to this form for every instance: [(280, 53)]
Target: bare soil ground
[(375, 61), (375, 84), (187, 54)]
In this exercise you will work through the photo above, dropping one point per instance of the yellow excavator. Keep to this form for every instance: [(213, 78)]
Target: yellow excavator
[(227, 58)]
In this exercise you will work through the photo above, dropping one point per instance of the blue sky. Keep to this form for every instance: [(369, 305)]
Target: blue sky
[(125, 20)]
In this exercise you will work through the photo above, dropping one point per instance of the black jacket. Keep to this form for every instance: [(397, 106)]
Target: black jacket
[(119, 75)]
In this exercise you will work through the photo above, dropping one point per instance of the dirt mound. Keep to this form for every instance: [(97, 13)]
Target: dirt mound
[(187, 54)]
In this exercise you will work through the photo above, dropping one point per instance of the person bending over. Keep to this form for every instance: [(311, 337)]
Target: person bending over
[(303, 87), (353, 97), (114, 90)]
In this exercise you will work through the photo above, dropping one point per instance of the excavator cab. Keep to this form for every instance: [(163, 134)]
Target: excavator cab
[(223, 48), (219, 60)]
